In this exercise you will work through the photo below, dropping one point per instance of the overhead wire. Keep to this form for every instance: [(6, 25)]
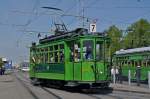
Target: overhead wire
[(91, 3), (29, 21)]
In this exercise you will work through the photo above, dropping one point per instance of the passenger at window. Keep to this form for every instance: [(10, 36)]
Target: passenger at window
[(76, 59), (88, 53), (51, 58), (61, 56)]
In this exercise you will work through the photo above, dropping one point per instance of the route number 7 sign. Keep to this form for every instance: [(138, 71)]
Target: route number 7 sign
[(92, 27)]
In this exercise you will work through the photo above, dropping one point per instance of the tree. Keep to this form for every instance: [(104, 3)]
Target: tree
[(138, 35), (1, 62), (115, 35)]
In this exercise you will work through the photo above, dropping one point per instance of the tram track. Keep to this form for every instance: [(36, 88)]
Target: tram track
[(28, 88), (58, 97), (50, 92), (26, 80), (67, 93)]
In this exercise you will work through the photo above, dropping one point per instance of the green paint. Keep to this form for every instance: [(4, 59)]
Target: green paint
[(77, 71), (50, 68), (135, 57), (88, 74), (69, 70)]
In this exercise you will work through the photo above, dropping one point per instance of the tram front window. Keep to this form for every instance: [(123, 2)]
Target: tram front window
[(88, 49)]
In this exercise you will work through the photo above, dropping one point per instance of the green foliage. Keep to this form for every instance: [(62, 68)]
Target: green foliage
[(1, 62), (139, 34), (115, 35)]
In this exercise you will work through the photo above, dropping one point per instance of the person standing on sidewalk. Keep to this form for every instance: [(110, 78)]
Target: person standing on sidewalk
[(117, 73), (138, 74), (120, 75), (0, 70), (112, 73), (3, 70)]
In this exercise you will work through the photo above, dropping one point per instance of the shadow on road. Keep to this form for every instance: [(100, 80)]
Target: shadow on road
[(90, 91)]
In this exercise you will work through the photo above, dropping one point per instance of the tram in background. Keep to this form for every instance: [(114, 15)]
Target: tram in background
[(71, 58), (24, 66), (8, 65), (5, 66), (129, 59)]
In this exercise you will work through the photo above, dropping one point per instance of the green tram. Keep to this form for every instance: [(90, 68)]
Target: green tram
[(129, 59), (72, 59)]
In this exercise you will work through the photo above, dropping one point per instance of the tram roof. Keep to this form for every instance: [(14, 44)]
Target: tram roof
[(134, 50), (74, 33)]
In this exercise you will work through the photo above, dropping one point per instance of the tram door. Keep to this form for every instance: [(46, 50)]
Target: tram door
[(77, 61), (101, 67), (88, 65), (32, 63), (73, 71)]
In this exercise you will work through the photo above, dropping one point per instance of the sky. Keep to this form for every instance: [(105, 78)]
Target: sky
[(19, 17)]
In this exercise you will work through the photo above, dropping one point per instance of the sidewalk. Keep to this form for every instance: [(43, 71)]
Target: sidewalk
[(6, 78), (127, 88)]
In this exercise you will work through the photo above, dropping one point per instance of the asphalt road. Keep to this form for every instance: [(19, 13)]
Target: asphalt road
[(17, 86)]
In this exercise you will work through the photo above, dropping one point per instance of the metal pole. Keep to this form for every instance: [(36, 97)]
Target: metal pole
[(114, 78), (149, 79), (129, 77)]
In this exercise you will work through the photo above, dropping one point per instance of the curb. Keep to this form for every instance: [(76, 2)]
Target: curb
[(123, 90)]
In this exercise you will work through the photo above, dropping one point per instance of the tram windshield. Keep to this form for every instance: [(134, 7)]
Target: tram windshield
[(88, 50)]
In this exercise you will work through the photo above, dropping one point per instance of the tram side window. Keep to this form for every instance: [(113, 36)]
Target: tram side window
[(131, 63), (99, 51), (88, 50), (125, 62), (71, 52), (138, 63), (144, 63), (76, 53), (51, 57), (56, 56), (51, 48), (61, 53), (37, 55), (148, 63), (51, 54), (33, 57), (62, 46), (61, 56), (122, 63), (56, 47), (41, 55), (46, 54)]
